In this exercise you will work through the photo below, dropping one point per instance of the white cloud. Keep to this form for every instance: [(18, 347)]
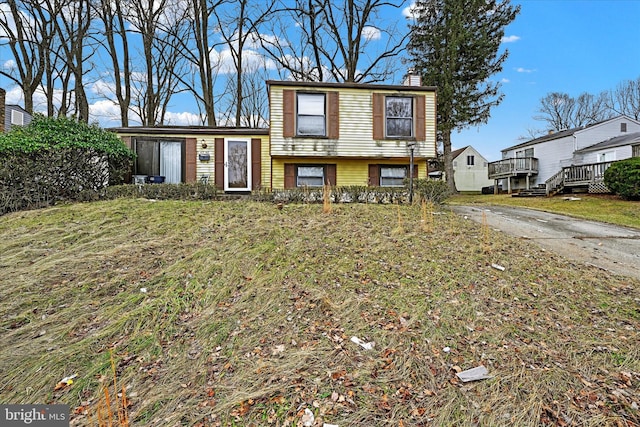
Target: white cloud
[(105, 112), (510, 39), (251, 60), (371, 33), (524, 70), (183, 118), (408, 12), (505, 80)]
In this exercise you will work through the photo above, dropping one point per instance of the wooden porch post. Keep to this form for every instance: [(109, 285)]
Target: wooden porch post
[(495, 186), (509, 185), (528, 175)]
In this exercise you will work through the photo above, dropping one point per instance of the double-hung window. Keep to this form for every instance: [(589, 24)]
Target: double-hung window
[(310, 176), (471, 160), (392, 176), (311, 114), (399, 116)]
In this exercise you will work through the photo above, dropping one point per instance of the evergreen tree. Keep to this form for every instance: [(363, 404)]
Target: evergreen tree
[(454, 45)]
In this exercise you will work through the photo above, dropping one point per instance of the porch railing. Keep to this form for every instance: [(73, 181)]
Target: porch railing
[(573, 176), (513, 166)]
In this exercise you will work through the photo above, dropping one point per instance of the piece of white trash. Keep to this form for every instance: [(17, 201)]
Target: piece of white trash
[(365, 345), (474, 374), (497, 267)]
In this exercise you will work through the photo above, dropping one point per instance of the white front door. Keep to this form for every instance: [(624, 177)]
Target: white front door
[(237, 165)]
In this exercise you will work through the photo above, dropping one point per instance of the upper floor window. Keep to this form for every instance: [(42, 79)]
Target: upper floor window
[(623, 127), (471, 160), (399, 116), (311, 114)]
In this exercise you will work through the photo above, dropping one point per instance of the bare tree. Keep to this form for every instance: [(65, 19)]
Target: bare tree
[(159, 24), (625, 98), (238, 27), (334, 36), (255, 104), (29, 32), (72, 24), (116, 44), (561, 111), (197, 48)]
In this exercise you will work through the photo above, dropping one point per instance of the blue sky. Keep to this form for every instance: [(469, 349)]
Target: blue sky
[(570, 46)]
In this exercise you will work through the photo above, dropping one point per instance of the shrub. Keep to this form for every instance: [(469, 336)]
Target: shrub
[(623, 178), (431, 190), (183, 191), (55, 159)]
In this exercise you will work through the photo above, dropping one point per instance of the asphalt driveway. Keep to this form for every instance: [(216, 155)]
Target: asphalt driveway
[(610, 247)]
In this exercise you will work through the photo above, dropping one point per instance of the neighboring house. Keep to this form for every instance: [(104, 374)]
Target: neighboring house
[(569, 158), (320, 133), (470, 170), (11, 115)]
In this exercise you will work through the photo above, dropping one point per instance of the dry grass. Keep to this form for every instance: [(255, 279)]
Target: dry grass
[(241, 314)]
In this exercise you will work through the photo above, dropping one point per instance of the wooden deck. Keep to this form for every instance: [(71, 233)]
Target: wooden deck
[(590, 176), (519, 166)]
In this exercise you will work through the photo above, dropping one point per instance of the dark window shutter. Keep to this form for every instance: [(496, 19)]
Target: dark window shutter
[(334, 115), (330, 174), (374, 175), (289, 113), (421, 118), (218, 154), (415, 170), (289, 175), (256, 163), (190, 156), (378, 116)]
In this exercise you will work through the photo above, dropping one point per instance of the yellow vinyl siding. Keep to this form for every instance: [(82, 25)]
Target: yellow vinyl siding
[(356, 129), (348, 171)]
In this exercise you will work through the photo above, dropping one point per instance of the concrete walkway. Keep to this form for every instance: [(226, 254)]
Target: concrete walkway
[(610, 247)]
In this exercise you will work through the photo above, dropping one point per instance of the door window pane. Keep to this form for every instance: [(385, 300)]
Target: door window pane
[(237, 161)]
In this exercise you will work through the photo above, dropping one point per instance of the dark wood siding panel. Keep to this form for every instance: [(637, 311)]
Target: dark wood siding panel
[(288, 113), (218, 154), (415, 170), (378, 116), (374, 175), (190, 156), (421, 118), (330, 171), (289, 175), (333, 115), (256, 163)]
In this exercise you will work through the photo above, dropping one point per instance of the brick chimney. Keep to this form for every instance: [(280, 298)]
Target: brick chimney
[(2, 109)]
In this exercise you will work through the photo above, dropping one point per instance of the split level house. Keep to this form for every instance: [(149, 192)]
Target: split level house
[(340, 134), (572, 159)]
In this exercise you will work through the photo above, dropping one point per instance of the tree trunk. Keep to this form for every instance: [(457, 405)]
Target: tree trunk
[(448, 161)]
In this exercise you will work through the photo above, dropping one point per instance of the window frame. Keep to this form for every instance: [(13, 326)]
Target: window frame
[(155, 159), (471, 160), (380, 177), (298, 115), (411, 117), (17, 114), (297, 175)]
